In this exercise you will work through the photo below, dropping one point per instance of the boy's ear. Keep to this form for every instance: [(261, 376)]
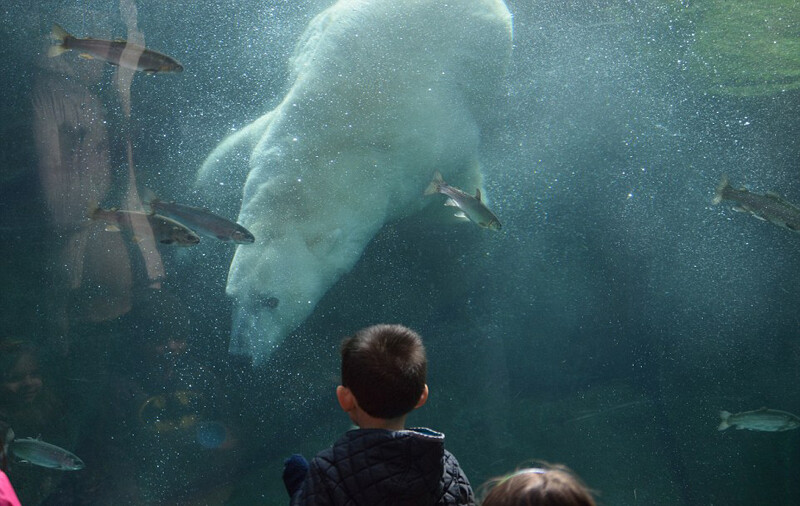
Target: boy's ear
[(422, 398), (346, 399)]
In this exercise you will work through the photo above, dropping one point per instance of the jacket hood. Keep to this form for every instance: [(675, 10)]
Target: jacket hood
[(406, 465)]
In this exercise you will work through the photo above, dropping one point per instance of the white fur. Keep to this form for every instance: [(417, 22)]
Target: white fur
[(385, 92)]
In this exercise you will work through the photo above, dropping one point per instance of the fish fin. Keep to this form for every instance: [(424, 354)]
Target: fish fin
[(461, 215), (478, 194), (92, 210), (776, 197), (740, 209), (149, 197), (86, 56), (723, 185), (54, 51), (112, 228), (451, 203), (758, 216), (59, 33), (723, 424), (434, 185)]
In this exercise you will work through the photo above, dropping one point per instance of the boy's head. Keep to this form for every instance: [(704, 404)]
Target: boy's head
[(384, 366)]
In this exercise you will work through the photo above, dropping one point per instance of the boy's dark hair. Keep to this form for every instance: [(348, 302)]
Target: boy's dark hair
[(384, 366)]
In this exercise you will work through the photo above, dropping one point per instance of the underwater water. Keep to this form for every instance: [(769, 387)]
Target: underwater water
[(605, 326)]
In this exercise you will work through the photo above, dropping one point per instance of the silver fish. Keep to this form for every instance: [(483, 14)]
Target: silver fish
[(165, 230), (116, 52), (469, 207), (769, 207), (202, 221), (767, 420), (39, 453)]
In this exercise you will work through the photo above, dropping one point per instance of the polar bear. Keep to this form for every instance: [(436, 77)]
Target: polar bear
[(384, 94)]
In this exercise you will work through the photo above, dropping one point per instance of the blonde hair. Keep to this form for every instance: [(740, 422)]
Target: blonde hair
[(549, 485)]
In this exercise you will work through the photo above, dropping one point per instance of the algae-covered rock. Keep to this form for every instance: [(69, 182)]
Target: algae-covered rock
[(748, 47)]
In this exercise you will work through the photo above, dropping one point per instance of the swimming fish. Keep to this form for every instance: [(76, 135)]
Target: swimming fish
[(768, 207), (202, 221), (768, 420), (470, 207), (116, 52), (165, 230), (39, 453)]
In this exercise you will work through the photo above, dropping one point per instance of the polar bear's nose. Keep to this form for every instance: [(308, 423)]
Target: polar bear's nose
[(270, 302)]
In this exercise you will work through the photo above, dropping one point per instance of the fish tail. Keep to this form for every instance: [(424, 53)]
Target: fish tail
[(724, 416), (60, 36), (434, 185), (56, 50), (723, 185), (149, 197), (93, 210)]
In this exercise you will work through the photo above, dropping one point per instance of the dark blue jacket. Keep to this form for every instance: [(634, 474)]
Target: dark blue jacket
[(376, 467)]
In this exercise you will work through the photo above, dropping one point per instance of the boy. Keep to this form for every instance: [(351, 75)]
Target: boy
[(381, 462)]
